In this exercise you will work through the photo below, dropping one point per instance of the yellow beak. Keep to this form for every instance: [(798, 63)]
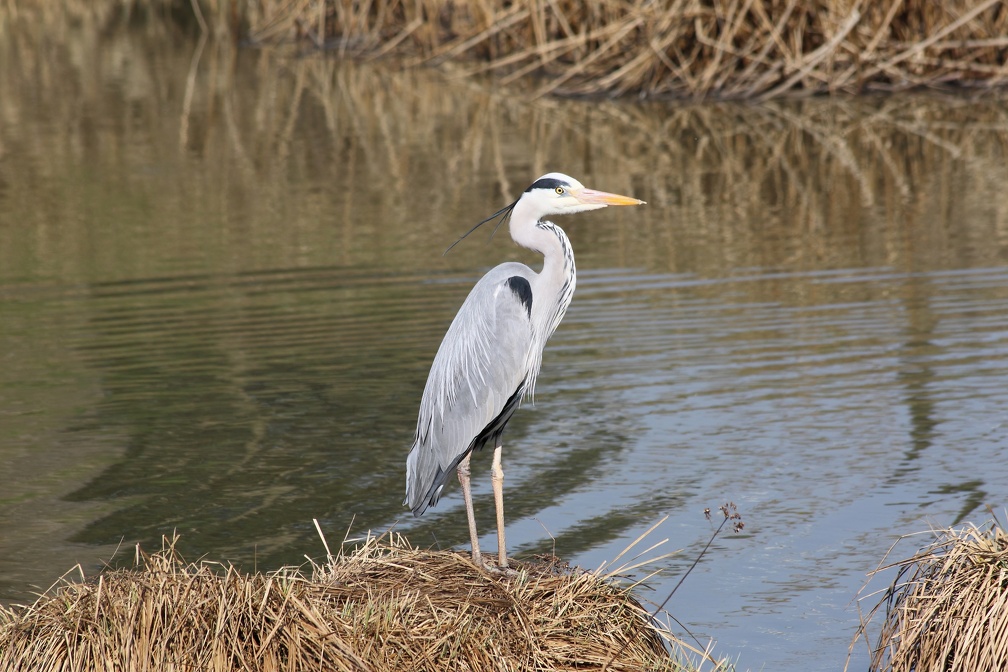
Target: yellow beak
[(590, 196)]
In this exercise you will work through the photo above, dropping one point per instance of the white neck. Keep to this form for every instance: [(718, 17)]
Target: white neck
[(526, 232), (553, 287)]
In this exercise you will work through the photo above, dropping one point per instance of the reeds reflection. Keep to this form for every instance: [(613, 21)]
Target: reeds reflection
[(222, 285), (788, 184)]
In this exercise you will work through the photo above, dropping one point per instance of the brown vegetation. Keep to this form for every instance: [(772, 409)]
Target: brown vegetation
[(947, 608), (383, 606), (693, 49), (683, 49)]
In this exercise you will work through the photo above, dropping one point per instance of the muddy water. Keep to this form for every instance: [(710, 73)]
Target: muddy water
[(222, 284)]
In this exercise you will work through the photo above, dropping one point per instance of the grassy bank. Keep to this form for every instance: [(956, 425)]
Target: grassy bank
[(681, 49), (383, 606), (947, 608), (694, 49)]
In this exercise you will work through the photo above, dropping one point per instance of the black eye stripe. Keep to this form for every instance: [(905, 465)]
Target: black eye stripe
[(547, 183)]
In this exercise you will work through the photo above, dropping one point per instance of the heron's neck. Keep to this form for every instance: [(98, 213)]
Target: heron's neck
[(553, 288), (546, 238)]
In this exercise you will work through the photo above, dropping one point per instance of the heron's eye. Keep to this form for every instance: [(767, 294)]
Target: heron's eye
[(559, 190)]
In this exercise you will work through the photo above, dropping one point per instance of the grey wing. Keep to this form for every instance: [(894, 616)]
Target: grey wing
[(475, 383)]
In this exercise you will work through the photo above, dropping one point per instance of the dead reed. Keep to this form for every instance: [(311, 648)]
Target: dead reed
[(947, 608), (695, 49), (683, 49), (383, 606)]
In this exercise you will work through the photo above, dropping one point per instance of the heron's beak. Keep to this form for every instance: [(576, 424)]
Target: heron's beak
[(592, 197)]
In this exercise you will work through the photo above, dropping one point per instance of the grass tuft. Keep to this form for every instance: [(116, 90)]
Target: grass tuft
[(947, 608)]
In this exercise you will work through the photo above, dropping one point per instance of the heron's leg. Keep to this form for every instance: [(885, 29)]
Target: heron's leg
[(497, 478), (463, 476)]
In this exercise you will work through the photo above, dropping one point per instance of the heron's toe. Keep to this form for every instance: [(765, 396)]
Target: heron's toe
[(495, 569)]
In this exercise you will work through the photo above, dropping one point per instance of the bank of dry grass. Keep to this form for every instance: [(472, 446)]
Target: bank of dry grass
[(680, 48), (684, 49), (383, 606), (947, 608)]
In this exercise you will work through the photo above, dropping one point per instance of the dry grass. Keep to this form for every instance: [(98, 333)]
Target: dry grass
[(947, 608), (683, 49), (383, 606), (695, 49)]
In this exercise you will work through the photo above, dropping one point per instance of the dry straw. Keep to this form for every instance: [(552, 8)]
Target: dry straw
[(383, 606), (695, 49), (947, 608)]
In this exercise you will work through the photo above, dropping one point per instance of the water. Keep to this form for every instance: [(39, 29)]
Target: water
[(222, 284)]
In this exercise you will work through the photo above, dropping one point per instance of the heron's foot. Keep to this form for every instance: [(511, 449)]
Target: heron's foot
[(493, 568)]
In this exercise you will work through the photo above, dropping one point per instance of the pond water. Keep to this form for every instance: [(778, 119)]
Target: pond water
[(222, 285)]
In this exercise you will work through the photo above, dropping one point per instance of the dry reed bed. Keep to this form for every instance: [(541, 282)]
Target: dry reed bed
[(696, 49), (947, 608), (383, 606)]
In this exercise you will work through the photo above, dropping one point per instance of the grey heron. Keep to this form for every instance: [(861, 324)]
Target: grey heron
[(490, 357)]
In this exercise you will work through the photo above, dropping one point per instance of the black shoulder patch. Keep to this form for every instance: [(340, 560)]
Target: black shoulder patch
[(523, 290), (547, 183)]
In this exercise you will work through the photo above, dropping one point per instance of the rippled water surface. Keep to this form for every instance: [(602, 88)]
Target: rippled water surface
[(222, 284)]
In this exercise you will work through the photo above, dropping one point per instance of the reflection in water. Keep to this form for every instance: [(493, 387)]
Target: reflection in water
[(917, 374), (258, 367), (217, 317)]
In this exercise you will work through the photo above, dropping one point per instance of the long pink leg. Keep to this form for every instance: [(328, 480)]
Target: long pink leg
[(463, 476), (497, 478)]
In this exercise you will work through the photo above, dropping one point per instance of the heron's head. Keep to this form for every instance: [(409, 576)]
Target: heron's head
[(559, 194), (551, 194)]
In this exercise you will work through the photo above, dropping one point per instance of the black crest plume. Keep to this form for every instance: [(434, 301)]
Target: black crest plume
[(504, 213)]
